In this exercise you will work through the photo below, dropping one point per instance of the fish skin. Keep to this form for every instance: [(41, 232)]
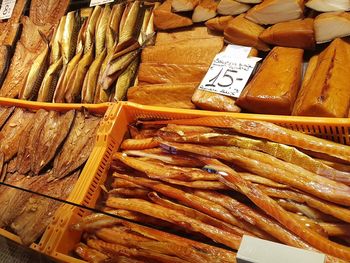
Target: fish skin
[(130, 28), (62, 83), (5, 113), (125, 80), (82, 36), (70, 36), (76, 80), (114, 24), (28, 142), (35, 76), (91, 28), (50, 80), (76, 145), (48, 12), (101, 28), (90, 81), (37, 213), (57, 41), (114, 69), (5, 58), (50, 138), (12, 131)]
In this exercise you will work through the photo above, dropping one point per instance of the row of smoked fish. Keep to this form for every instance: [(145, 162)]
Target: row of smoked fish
[(42, 152), (186, 183), (324, 20), (91, 56), (282, 84), (23, 38)]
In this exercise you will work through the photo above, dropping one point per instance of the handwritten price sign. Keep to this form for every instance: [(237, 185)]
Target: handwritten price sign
[(6, 9), (228, 75)]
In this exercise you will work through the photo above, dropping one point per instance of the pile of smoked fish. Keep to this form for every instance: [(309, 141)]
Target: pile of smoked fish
[(188, 183), (91, 55), (43, 152)]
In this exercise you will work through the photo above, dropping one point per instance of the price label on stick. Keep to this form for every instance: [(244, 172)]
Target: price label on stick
[(100, 2), (6, 9), (228, 75)]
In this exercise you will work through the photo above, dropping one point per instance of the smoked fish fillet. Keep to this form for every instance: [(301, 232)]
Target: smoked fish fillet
[(169, 95), (48, 11), (158, 73), (29, 142), (198, 32), (183, 53), (12, 131), (274, 88), (38, 211), (78, 145), (50, 138), (30, 45), (327, 92), (5, 113)]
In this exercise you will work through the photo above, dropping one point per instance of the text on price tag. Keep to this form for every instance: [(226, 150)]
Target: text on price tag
[(6, 9), (228, 75), (100, 2)]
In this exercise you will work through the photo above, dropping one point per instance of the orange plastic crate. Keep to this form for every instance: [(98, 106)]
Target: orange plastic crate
[(62, 107), (64, 239)]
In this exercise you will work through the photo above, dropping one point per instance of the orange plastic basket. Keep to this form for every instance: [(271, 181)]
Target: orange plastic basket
[(64, 239), (62, 107)]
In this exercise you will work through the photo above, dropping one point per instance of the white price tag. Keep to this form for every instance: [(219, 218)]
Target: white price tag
[(6, 9), (228, 75), (237, 51), (100, 2)]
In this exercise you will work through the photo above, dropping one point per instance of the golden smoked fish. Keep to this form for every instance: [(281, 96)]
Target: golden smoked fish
[(91, 28), (5, 57), (90, 81), (57, 41), (35, 76), (112, 33), (76, 80), (50, 80), (62, 83), (101, 28), (125, 80), (70, 36)]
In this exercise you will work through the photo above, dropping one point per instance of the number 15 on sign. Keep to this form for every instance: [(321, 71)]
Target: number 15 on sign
[(225, 80)]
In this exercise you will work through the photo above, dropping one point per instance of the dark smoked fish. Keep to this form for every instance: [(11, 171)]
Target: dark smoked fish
[(12, 131), (51, 137), (37, 213), (5, 56), (78, 145), (5, 113), (28, 142)]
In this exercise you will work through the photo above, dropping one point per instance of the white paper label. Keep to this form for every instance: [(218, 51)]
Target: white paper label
[(228, 74), (99, 2), (237, 51), (6, 9)]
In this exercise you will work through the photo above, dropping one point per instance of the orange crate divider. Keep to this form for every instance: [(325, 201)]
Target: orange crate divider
[(64, 239), (62, 107)]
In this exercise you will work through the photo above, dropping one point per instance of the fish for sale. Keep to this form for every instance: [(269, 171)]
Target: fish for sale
[(101, 29), (28, 142), (70, 36), (76, 80), (82, 36), (91, 28), (50, 80), (112, 33), (90, 81), (12, 131), (62, 83), (125, 80), (35, 76), (5, 58), (56, 41), (50, 138), (131, 26), (5, 113), (78, 145)]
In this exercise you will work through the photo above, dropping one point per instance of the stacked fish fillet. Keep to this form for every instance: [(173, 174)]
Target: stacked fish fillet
[(41, 152), (92, 56), (216, 185)]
